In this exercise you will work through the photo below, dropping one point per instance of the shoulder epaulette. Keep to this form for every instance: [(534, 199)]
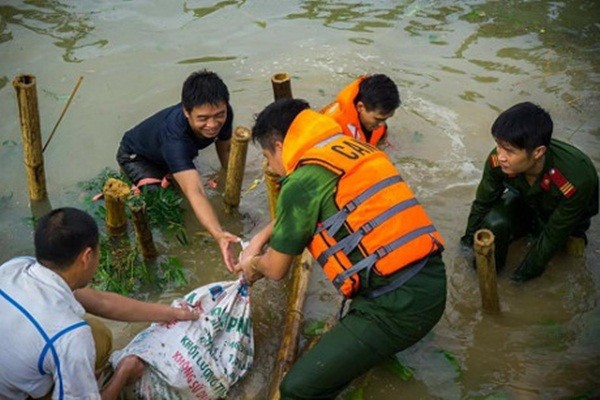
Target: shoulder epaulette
[(494, 161), (566, 187)]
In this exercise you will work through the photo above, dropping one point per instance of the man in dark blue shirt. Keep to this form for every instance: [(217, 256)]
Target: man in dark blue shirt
[(167, 143)]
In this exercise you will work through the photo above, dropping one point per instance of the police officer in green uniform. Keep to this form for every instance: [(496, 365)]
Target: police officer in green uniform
[(389, 311), (533, 184)]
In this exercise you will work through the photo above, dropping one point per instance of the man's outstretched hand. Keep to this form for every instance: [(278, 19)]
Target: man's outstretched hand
[(225, 241)]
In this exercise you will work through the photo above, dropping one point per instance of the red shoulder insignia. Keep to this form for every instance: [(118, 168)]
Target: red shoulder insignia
[(494, 161), (566, 187)]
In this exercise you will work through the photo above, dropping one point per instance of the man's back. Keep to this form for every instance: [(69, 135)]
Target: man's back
[(44, 339)]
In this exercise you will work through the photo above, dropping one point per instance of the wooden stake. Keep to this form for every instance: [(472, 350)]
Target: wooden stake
[(116, 193), (272, 183), (30, 133), (289, 342), (486, 270), (236, 165), (282, 86), (143, 233)]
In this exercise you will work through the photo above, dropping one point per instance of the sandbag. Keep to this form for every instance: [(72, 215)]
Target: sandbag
[(198, 359)]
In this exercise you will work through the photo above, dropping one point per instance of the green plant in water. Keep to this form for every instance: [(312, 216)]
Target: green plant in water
[(163, 206), (165, 211), (453, 361), (122, 269), (355, 394), (397, 368)]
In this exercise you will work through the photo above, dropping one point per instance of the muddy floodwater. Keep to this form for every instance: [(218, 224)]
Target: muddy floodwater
[(457, 65)]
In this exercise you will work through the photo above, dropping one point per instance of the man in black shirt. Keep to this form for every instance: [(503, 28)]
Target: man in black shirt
[(167, 143)]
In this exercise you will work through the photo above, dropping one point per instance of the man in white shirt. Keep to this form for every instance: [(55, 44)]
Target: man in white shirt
[(47, 346)]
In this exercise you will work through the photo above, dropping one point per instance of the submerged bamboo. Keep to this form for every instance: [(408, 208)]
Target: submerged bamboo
[(116, 193), (25, 87), (289, 343), (236, 165), (282, 86), (486, 270), (143, 233)]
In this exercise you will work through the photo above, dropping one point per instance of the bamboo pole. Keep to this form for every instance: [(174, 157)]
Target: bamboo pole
[(143, 233), (282, 86), (486, 270), (235, 166), (116, 193), (25, 87), (272, 183), (301, 267), (289, 343), (62, 114)]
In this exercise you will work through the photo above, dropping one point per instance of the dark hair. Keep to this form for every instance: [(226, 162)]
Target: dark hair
[(525, 126), (62, 234), (203, 87), (378, 92), (274, 121)]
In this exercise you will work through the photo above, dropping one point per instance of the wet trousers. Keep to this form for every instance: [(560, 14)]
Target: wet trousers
[(136, 168), (372, 331), (510, 219)]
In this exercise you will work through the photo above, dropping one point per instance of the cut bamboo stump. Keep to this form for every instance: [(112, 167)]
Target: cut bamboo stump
[(236, 166), (143, 233), (29, 117), (486, 270), (282, 86), (272, 183), (116, 193), (289, 342)]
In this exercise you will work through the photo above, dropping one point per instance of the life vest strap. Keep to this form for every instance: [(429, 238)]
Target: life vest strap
[(350, 242), (369, 261), (335, 222), (404, 277), (407, 273)]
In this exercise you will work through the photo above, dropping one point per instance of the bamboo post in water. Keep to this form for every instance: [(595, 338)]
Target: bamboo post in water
[(143, 233), (272, 183), (289, 343), (235, 167), (30, 132), (282, 86), (300, 269), (486, 270), (116, 193)]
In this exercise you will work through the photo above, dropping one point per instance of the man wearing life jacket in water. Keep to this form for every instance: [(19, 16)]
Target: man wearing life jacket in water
[(47, 348), (167, 143), (362, 107), (346, 202)]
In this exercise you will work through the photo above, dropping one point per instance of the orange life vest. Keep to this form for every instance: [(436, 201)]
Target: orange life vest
[(344, 112), (379, 210)]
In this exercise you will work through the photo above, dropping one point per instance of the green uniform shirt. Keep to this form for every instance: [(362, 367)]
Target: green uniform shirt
[(556, 216), (306, 197)]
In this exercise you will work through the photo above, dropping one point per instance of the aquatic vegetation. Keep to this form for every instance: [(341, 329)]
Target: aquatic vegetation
[(122, 268)]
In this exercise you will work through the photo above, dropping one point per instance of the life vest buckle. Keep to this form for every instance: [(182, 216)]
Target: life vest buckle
[(338, 281), (381, 252), (366, 228), (350, 206)]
